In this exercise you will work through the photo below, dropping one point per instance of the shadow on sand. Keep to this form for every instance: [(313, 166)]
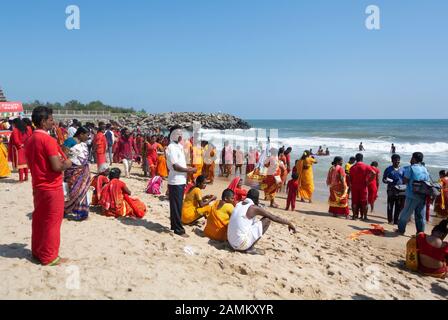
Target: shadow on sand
[(16, 251), (152, 226)]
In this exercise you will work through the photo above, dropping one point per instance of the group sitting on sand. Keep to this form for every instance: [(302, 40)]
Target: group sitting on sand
[(62, 185)]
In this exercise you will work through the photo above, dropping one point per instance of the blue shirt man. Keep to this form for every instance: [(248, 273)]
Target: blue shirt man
[(414, 204), (415, 172), (394, 174)]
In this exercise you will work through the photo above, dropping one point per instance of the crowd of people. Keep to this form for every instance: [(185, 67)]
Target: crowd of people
[(59, 158)]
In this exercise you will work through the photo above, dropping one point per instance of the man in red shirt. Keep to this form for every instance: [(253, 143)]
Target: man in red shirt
[(361, 175), (46, 162)]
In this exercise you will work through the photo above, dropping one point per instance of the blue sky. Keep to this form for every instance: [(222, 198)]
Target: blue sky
[(257, 59)]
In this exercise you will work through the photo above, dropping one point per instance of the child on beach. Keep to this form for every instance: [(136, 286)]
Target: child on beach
[(292, 189), (219, 217)]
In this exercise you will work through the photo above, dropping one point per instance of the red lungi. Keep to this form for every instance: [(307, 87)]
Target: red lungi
[(359, 195), (46, 225)]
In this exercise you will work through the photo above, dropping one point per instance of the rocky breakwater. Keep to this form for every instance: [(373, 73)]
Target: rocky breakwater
[(164, 121)]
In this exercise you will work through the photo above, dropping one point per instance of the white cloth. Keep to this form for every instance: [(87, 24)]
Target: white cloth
[(175, 155), (127, 167), (71, 132), (242, 232), (79, 153)]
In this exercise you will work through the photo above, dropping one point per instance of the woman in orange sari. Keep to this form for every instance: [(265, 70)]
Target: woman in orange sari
[(116, 198), (198, 160), (336, 181), (219, 217), (441, 204), (273, 180), (210, 156), (61, 133), (16, 152), (306, 179), (4, 167), (162, 169)]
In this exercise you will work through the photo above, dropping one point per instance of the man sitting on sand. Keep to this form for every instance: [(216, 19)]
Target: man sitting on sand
[(195, 206), (218, 219), (244, 229)]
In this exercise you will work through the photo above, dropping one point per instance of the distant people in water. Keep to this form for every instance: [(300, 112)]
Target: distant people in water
[(361, 147), (320, 151), (244, 229), (392, 149)]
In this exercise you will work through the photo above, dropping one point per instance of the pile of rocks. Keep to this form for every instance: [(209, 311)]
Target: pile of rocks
[(164, 121)]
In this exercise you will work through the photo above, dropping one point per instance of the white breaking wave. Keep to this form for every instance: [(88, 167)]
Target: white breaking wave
[(239, 137)]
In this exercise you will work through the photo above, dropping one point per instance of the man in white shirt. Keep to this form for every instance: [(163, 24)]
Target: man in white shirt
[(245, 229), (72, 129), (177, 179)]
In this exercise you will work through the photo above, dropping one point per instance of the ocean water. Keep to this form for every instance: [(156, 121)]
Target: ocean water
[(342, 137)]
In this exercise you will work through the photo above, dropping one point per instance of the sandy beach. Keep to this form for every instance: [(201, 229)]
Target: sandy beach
[(141, 259)]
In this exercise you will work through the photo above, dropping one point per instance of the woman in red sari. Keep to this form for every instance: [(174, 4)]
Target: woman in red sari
[(100, 145), (16, 152), (373, 186), (116, 198), (98, 182), (238, 192), (336, 181), (162, 169), (139, 140), (116, 156)]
